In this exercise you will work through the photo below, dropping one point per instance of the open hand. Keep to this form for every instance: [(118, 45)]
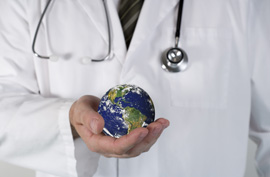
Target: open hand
[(89, 125)]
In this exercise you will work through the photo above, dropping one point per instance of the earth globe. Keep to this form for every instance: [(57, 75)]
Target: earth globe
[(124, 108)]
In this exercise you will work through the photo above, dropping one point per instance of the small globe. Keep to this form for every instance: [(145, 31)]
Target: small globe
[(124, 108)]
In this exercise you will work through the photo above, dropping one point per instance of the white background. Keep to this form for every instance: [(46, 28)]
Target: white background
[(7, 170)]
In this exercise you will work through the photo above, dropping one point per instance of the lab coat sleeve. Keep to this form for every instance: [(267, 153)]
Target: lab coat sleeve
[(34, 131), (259, 48)]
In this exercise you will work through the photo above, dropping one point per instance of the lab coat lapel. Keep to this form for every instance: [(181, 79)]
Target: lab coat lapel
[(96, 13), (152, 13)]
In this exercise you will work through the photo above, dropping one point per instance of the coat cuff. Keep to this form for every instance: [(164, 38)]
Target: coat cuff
[(66, 134)]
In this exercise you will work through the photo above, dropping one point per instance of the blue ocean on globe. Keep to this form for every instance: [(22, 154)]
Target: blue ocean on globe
[(124, 108)]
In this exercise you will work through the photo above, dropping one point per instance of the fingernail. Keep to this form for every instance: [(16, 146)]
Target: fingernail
[(93, 125), (165, 125)]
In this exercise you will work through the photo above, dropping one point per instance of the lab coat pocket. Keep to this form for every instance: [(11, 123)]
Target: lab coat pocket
[(204, 84)]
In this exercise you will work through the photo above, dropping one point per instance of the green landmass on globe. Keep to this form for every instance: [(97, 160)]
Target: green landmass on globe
[(132, 117), (124, 108)]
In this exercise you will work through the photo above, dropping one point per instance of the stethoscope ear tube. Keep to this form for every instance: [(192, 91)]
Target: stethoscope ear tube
[(36, 33), (84, 60), (109, 54)]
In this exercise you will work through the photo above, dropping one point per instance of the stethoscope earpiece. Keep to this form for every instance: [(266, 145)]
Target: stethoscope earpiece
[(53, 58), (85, 60), (174, 60)]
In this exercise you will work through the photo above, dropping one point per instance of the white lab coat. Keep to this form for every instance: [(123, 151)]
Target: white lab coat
[(213, 107)]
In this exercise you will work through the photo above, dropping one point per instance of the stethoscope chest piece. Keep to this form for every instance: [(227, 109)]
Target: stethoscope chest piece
[(174, 60)]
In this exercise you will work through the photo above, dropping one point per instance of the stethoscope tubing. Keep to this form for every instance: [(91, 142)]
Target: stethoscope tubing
[(179, 22), (36, 33), (85, 59), (109, 54), (174, 63)]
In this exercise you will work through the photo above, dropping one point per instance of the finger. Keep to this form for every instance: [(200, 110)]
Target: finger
[(83, 132), (127, 142), (155, 130), (165, 123), (109, 145), (86, 115), (93, 121)]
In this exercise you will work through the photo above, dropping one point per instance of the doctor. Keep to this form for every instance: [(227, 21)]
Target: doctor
[(213, 106)]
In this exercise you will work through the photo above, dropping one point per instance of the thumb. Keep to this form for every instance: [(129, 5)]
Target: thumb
[(96, 122), (84, 112)]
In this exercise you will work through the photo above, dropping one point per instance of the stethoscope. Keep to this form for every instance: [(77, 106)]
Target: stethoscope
[(173, 59)]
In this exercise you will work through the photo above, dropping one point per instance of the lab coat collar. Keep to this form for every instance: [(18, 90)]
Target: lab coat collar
[(92, 9), (152, 13)]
